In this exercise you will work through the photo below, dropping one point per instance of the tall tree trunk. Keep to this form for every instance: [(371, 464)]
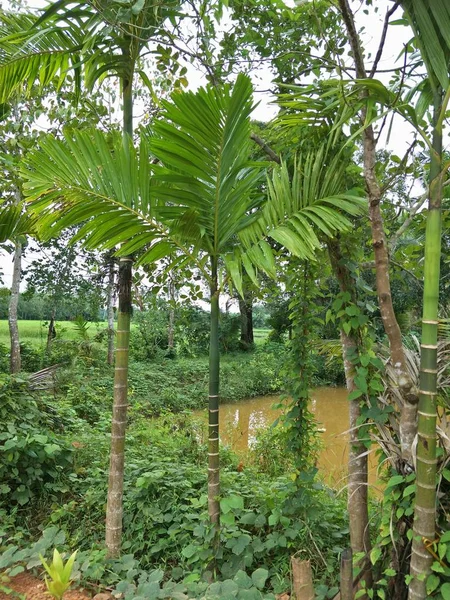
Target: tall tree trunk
[(408, 417), (425, 504), (213, 409), (114, 507), (110, 307), (15, 360), (246, 311), (357, 503), (171, 329)]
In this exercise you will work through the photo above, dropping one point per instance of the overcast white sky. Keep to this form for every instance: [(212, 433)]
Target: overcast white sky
[(397, 37)]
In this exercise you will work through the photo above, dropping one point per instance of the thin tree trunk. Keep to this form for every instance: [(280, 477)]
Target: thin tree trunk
[(213, 411), (110, 308), (357, 458), (15, 360), (425, 503), (171, 329), (408, 417), (51, 333), (114, 508), (246, 311), (357, 503)]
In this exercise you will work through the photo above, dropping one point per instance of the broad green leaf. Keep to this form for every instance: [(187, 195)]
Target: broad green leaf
[(259, 578)]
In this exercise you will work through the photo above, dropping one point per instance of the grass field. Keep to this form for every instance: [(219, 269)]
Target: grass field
[(35, 332), (260, 335)]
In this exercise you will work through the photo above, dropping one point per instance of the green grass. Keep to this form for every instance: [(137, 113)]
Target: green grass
[(260, 335), (35, 332)]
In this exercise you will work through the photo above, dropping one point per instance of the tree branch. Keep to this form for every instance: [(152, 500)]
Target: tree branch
[(383, 38), (266, 148), (401, 166), (412, 212)]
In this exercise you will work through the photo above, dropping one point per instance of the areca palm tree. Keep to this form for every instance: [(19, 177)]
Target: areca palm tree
[(199, 204), (94, 40), (431, 25)]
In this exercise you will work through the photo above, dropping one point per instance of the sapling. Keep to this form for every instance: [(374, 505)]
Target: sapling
[(59, 573)]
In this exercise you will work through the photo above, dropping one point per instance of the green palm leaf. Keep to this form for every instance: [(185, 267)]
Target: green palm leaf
[(313, 202), (31, 55), (73, 38), (14, 222), (431, 24), (97, 182), (203, 145)]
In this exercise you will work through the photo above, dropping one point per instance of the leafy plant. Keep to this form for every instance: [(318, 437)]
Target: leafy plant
[(60, 574)]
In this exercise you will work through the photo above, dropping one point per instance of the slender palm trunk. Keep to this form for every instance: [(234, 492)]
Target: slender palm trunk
[(425, 503), (15, 360), (408, 416), (114, 507), (357, 504), (110, 308), (213, 409)]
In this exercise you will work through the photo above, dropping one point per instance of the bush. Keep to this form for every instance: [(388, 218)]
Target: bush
[(328, 371), (150, 338), (4, 358), (31, 358), (33, 460), (192, 331)]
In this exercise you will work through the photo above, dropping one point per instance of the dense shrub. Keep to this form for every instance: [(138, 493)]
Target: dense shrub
[(33, 459), (4, 358), (150, 336), (328, 371), (31, 358)]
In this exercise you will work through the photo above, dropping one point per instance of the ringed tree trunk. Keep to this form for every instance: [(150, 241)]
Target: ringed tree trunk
[(110, 308), (15, 359), (408, 416), (114, 506), (213, 405), (357, 503), (425, 502)]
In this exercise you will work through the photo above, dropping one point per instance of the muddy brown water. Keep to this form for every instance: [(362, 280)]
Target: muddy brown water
[(239, 423)]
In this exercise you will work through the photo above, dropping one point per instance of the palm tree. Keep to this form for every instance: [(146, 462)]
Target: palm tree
[(97, 41), (431, 25), (200, 204)]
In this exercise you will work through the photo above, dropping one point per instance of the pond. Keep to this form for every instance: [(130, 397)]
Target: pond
[(240, 421)]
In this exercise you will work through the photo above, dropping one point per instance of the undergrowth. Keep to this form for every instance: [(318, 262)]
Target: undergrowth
[(57, 497)]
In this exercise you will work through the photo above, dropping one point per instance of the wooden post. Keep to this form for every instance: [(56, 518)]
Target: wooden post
[(346, 575), (302, 583)]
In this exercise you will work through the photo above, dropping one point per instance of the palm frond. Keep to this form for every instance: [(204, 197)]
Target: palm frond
[(14, 222), (431, 25), (31, 55), (313, 200), (97, 182), (203, 143)]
